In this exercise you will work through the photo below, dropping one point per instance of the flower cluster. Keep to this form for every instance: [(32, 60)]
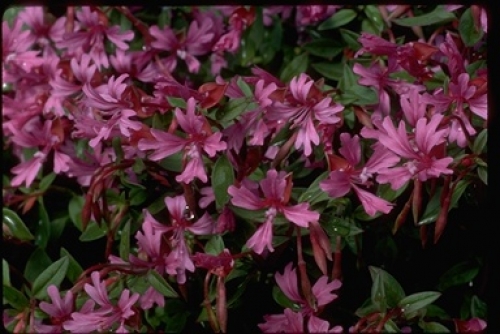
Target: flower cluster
[(203, 149)]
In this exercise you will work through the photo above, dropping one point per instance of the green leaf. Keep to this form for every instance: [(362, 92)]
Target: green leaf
[(351, 39), (37, 263), (324, 47), (480, 142), (331, 71), (125, 241), (164, 17), (461, 273), (93, 232), (478, 308), (176, 102), (74, 268), (341, 226), (46, 181), (482, 172), (75, 207), (43, 229), (16, 226), (375, 18), (54, 274), (314, 194), (173, 162), (386, 291), (438, 16), (222, 178), (432, 210), (280, 298), (57, 227), (137, 196), (234, 108), (433, 327), (297, 66), (245, 88), (467, 29), (349, 79), (418, 300), (15, 298), (340, 18), (160, 284), (214, 245), (5, 273), (358, 95)]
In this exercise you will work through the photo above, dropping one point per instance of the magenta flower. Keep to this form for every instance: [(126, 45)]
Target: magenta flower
[(137, 64), (108, 315), (317, 325), (273, 189), (59, 310), (196, 42), (305, 105), (36, 18), (473, 325), (423, 160), (181, 219), (347, 176), (288, 322), (90, 38), (322, 290), (307, 15), (165, 144)]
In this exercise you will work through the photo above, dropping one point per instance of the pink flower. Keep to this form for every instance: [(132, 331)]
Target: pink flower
[(322, 290), (165, 144), (288, 322), (89, 38), (108, 315), (151, 297), (273, 189), (474, 325), (181, 218), (317, 325), (307, 15), (346, 176), (305, 105), (137, 64), (419, 150), (59, 310), (196, 42)]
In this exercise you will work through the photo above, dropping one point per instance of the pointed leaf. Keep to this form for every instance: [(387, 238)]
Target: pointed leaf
[(324, 47), (340, 18), (438, 16), (75, 207), (386, 291), (125, 241), (74, 268), (15, 298), (461, 273), (467, 29), (214, 245), (331, 71), (16, 226), (297, 66), (54, 274), (160, 284), (418, 300), (222, 178), (93, 232), (37, 263)]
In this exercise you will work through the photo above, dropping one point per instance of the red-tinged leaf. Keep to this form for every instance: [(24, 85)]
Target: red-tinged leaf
[(335, 162), (424, 51), (417, 200), (442, 218), (363, 117), (288, 188), (212, 93), (221, 304), (28, 204), (401, 218)]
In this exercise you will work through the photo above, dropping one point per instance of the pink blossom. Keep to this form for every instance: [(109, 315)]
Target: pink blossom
[(151, 297), (36, 18), (59, 310), (196, 42), (165, 144), (322, 290), (317, 325), (288, 322), (269, 11), (137, 64), (307, 15), (89, 38), (108, 315), (473, 325), (341, 180), (423, 160), (304, 106), (272, 188)]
